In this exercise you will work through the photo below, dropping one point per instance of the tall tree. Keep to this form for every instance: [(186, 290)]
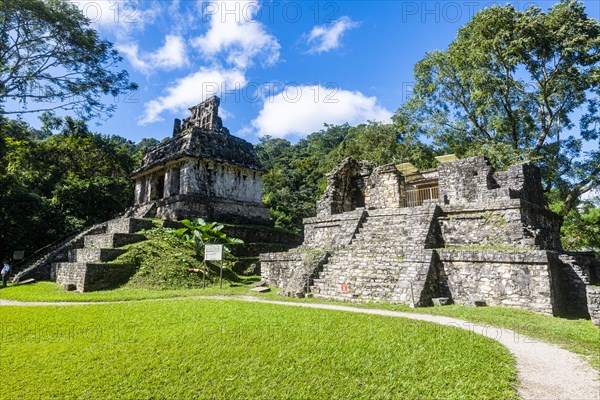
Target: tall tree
[(49, 56), (514, 85), (58, 180)]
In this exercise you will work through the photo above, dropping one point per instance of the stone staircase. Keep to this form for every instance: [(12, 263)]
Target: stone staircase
[(88, 268), (386, 260)]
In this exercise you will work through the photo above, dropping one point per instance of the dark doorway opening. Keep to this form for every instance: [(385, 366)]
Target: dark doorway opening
[(160, 187)]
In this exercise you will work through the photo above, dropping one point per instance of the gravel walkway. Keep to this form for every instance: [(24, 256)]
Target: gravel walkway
[(545, 371)]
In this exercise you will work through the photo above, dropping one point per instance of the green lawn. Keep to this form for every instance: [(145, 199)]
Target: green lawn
[(50, 291), (579, 336), (198, 348)]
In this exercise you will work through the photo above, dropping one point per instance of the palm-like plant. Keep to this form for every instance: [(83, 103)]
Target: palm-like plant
[(200, 233)]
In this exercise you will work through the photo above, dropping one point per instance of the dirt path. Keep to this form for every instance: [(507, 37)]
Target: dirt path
[(544, 371)]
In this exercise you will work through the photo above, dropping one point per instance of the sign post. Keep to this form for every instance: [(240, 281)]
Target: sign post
[(214, 252)]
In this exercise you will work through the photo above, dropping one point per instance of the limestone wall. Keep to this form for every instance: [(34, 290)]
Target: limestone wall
[(346, 187), (212, 209), (593, 303), (88, 277), (224, 181), (332, 231), (382, 189), (504, 223), (569, 280), (278, 268), (498, 278), (474, 180)]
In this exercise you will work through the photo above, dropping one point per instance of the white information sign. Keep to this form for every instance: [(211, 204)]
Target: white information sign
[(213, 252)]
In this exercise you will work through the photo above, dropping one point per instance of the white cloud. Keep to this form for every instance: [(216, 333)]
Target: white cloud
[(301, 110), (234, 33), (119, 17), (171, 55), (324, 38), (191, 90)]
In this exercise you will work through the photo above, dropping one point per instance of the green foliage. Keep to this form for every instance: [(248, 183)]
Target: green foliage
[(511, 86), (59, 179), (581, 229), (163, 261), (50, 56), (206, 349), (168, 261), (200, 233)]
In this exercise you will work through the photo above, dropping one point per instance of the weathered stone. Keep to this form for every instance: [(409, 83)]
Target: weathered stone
[(202, 171), (261, 289), (462, 232), (593, 301), (441, 301)]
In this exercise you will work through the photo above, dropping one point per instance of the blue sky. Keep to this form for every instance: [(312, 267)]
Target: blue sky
[(282, 68)]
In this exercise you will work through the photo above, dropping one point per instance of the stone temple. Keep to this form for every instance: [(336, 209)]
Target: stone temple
[(461, 233), (202, 171)]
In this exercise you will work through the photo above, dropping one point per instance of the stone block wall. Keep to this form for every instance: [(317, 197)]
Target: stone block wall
[(278, 268), (88, 277), (498, 278), (482, 227), (542, 226), (106, 276), (593, 303), (345, 188), (504, 223), (261, 234), (69, 274), (330, 231), (382, 189), (212, 209), (213, 179), (474, 180), (464, 181)]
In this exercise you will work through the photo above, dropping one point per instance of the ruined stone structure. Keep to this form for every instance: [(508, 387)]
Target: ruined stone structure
[(461, 232), (202, 171)]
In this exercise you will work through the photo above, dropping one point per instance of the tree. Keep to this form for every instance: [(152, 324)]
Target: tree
[(581, 228), (381, 144), (51, 57), (511, 86), (59, 179)]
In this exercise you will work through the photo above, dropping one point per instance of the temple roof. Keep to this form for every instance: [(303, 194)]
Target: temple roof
[(200, 138)]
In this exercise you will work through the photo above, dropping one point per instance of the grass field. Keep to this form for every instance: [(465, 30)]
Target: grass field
[(579, 336), (50, 291), (198, 348)]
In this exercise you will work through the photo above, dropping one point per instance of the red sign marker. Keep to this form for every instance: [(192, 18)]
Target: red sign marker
[(344, 288)]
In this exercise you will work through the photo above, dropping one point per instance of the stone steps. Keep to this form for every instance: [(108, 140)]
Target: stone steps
[(85, 277), (386, 251), (112, 240), (128, 225), (89, 268), (94, 255)]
